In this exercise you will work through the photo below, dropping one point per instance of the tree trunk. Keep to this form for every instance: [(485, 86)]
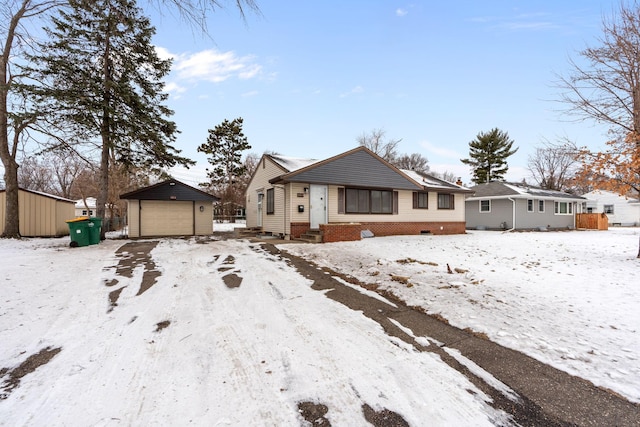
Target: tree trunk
[(638, 248), (12, 217)]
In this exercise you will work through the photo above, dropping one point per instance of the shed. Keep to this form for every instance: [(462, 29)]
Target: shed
[(169, 208), (41, 214)]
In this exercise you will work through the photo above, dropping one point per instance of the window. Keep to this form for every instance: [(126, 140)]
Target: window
[(608, 209), (270, 202), (540, 205), (84, 213), (420, 200), (445, 201), (485, 205), (563, 208), (368, 201), (529, 205)]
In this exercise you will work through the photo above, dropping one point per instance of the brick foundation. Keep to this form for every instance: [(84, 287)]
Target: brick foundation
[(340, 232), (412, 228)]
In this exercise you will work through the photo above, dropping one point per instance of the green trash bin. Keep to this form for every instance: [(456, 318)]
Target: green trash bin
[(79, 231), (95, 224)]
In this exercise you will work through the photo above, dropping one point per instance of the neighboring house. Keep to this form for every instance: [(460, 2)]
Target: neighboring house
[(348, 194), (620, 210), (86, 207), (41, 214), (507, 206), (169, 208)]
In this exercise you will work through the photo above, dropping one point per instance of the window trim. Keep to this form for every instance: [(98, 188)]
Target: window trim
[(488, 205), (541, 206), (451, 203), (530, 205), (557, 209), (271, 201), (392, 201), (416, 199)]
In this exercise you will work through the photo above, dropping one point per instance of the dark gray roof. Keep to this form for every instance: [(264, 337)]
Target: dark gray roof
[(517, 190), (170, 189), (359, 167)]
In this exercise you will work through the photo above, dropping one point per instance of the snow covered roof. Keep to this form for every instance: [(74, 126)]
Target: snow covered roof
[(501, 190), (292, 163), (40, 193), (91, 203), (431, 181)]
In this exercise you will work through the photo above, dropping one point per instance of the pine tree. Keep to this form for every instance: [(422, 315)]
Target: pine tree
[(225, 145), (488, 156), (102, 83)]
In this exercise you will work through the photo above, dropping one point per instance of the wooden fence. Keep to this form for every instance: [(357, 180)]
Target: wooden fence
[(592, 221)]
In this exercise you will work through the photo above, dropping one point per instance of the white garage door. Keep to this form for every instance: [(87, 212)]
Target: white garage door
[(166, 218)]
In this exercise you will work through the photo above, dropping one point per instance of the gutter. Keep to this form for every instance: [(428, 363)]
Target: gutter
[(513, 215)]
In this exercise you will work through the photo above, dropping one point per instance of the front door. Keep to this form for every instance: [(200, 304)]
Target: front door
[(317, 205), (259, 218)]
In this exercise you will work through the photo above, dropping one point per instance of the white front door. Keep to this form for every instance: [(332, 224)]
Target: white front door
[(317, 205), (259, 218)]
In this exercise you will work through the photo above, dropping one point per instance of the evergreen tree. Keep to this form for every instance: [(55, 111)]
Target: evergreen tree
[(225, 145), (101, 81), (488, 156)]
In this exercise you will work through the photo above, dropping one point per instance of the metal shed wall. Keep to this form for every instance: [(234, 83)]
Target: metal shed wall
[(40, 215)]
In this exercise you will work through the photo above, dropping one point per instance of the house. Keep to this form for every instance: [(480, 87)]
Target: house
[(620, 210), (510, 206), (41, 214), (169, 208), (86, 207), (348, 194)]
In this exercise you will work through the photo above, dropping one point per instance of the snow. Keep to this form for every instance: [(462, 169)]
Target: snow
[(292, 164), (248, 355), (568, 299)]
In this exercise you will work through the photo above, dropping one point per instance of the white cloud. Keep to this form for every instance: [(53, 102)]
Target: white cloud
[(212, 65), (357, 89), (164, 53), (175, 88), (401, 12), (250, 94), (440, 151)]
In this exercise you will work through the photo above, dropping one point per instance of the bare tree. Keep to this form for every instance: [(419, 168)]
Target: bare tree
[(607, 90), (446, 176), (553, 166), (416, 162), (376, 141)]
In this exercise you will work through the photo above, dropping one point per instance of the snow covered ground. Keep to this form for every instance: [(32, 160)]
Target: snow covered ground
[(568, 299), (196, 348)]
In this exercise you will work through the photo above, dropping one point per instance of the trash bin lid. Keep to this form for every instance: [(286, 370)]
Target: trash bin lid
[(78, 219)]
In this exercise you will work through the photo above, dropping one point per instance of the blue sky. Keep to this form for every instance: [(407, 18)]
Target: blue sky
[(309, 78)]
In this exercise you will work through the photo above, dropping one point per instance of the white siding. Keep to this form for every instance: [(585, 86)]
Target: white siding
[(624, 212), (274, 223)]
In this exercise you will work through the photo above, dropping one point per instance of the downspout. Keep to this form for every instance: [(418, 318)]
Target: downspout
[(284, 207), (513, 223)]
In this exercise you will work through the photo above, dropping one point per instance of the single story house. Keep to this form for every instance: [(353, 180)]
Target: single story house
[(40, 214), (169, 208), (518, 206), (86, 207), (347, 195), (620, 210)]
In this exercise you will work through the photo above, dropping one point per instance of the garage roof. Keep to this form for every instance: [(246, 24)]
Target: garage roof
[(170, 189)]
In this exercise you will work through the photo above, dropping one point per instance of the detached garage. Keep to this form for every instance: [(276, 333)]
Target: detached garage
[(169, 208), (41, 214)]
